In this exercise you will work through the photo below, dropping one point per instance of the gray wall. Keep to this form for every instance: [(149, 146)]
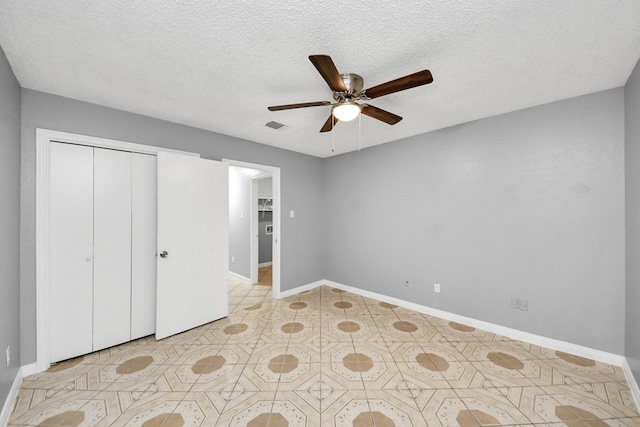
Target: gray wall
[(265, 187), (301, 181), (632, 169), (9, 225), (240, 221), (528, 204), (265, 242)]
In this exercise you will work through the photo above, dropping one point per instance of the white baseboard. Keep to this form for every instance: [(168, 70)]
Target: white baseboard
[(7, 408), (243, 279), (29, 369), (633, 385), (302, 288), (265, 264), (601, 356)]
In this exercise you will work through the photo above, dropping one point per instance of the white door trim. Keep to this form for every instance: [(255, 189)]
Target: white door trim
[(43, 139), (275, 174)]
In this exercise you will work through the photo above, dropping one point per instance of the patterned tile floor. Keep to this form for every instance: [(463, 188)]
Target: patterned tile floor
[(326, 358)]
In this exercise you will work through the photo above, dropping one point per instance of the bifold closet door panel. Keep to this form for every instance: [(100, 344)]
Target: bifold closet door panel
[(143, 246), (71, 250), (112, 248)]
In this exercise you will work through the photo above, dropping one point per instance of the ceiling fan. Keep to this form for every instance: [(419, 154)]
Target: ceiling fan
[(347, 89)]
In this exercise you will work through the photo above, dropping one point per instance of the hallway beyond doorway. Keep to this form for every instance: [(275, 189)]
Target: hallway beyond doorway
[(264, 275)]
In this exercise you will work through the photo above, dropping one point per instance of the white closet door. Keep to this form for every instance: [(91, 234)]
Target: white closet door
[(71, 250), (143, 245), (193, 230), (112, 248)]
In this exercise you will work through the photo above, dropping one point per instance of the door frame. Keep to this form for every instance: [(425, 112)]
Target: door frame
[(265, 171), (44, 138)]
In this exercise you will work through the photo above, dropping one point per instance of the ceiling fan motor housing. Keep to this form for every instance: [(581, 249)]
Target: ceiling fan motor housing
[(354, 84)]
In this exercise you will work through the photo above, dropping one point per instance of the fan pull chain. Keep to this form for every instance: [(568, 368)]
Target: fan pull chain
[(359, 132), (333, 125)]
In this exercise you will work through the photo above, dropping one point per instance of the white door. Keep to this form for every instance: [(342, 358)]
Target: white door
[(111, 248), (71, 251), (143, 245), (193, 235)]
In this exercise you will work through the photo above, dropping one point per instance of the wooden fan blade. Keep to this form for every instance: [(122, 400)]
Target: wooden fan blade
[(327, 69), (301, 105), (380, 114), (407, 82), (328, 125)]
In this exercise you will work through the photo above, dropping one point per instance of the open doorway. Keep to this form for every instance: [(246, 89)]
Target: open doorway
[(254, 211), (264, 232)]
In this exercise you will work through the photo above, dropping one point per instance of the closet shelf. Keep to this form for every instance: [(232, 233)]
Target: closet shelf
[(265, 204)]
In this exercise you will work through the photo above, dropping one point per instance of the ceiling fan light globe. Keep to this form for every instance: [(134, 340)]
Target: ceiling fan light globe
[(346, 111)]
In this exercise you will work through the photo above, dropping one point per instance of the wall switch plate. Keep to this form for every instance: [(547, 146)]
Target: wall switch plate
[(515, 303), (436, 288), (524, 305), (406, 283), (233, 260), (292, 214), (8, 355), (241, 215)]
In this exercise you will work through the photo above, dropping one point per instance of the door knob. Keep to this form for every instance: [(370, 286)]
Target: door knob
[(164, 254)]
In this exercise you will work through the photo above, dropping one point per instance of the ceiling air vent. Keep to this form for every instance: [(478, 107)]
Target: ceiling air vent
[(274, 125)]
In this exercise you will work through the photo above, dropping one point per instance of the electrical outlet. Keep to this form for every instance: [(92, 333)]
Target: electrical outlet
[(436, 288), (515, 303), (8, 355)]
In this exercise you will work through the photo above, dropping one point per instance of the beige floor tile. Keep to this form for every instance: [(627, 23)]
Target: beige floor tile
[(459, 333), (467, 375), (252, 408), (155, 376), (155, 411), (296, 329), (259, 377), (326, 357), (441, 407), (386, 407), (489, 406), (380, 374), (75, 407), (342, 410), (36, 406), (345, 377), (193, 353), (609, 394), (196, 409), (375, 349), (424, 377), (524, 399), (563, 403), (80, 378), (297, 408), (576, 374), (501, 376)]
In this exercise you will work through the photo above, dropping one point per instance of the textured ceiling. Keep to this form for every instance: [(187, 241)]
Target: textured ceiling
[(217, 65)]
